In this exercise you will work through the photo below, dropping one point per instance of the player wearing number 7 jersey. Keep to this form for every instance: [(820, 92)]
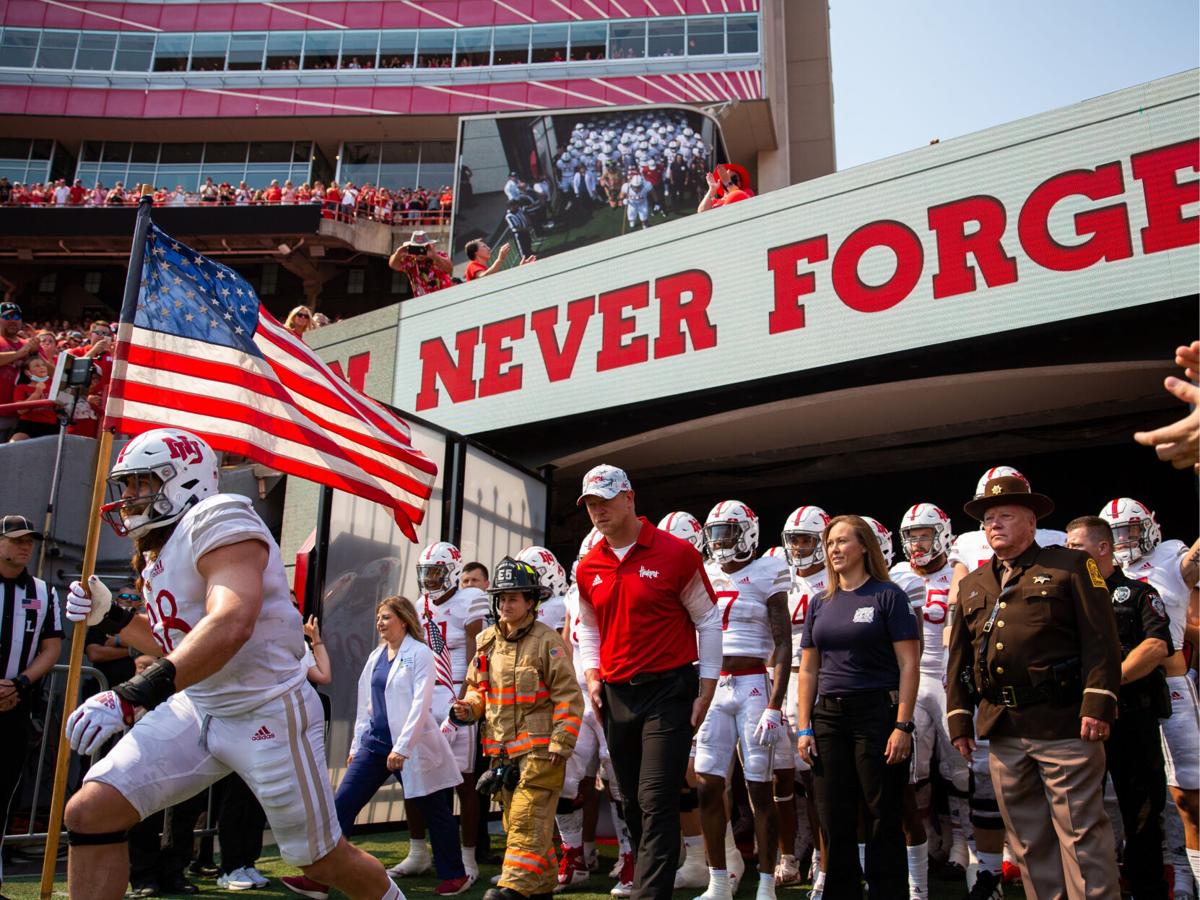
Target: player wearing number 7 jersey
[(746, 713), (228, 692)]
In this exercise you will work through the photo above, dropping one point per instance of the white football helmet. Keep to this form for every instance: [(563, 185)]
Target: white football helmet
[(684, 526), (1135, 530), (185, 467), (997, 472), (884, 537), (438, 569), (925, 515), (550, 571), (805, 524), (585, 547), (731, 532)]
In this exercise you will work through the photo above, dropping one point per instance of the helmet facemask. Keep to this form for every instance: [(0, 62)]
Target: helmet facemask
[(434, 579), (726, 542), (800, 553), (1129, 543), (922, 544), (144, 511)]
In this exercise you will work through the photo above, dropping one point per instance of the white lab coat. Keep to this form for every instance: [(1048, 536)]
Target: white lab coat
[(429, 763)]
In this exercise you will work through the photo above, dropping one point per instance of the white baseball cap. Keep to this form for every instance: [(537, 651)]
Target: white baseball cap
[(604, 481)]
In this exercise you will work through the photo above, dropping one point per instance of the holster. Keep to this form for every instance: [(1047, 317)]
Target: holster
[(1067, 681)]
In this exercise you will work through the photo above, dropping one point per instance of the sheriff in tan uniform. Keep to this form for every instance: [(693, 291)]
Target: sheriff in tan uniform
[(1035, 648), (522, 684)]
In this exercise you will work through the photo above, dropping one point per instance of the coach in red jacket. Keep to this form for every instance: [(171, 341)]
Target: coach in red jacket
[(645, 605)]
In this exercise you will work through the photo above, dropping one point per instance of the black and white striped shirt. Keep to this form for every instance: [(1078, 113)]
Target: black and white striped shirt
[(29, 614)]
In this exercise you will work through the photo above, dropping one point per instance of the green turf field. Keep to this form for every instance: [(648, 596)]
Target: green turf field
[(390, 847)]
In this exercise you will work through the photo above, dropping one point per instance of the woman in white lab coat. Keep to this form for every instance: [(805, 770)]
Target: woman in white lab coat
[(395, 734)]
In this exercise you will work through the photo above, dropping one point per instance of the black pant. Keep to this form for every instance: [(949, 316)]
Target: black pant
[(15, 725), (649, 732), (851, 735), (1135, 763), (240, 825), (152, 863)]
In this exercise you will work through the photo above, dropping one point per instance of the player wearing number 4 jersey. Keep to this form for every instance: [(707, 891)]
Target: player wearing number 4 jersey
[(746, 712), (228, 694)]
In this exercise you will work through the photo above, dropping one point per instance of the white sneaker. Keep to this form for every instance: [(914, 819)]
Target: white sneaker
[(237, 880), (413, 864), (715, 892), (692, 874), (260, 880), (737, 868), (787, 871)]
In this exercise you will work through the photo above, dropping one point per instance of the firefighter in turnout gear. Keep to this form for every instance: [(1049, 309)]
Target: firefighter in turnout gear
[(522, 685)]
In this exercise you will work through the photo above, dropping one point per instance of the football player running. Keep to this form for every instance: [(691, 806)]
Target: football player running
[(1170, 567), (228, 692), (453, 616), (746, 714)]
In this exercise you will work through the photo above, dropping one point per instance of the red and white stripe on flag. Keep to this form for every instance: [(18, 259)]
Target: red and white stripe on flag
[(280, 406)]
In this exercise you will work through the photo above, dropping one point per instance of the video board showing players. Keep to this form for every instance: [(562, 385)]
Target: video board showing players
[(549, 183)]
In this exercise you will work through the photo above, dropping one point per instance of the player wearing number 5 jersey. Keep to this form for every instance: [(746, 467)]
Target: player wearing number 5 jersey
[(228, 692), (746, 712)]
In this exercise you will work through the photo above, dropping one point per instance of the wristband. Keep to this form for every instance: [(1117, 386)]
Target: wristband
[(151, 686), (115, 620), (804, 732), (22, 685)]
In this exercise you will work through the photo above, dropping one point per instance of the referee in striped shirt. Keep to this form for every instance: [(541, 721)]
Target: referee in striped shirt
[(31, 634)]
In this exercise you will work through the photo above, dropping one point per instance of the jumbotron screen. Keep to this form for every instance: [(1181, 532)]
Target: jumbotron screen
[(549, 183)]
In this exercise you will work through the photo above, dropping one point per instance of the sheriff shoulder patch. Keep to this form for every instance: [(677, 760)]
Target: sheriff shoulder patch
[(1094, 573)]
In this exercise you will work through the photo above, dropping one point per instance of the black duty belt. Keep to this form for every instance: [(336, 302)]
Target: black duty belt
[(1017, 696)]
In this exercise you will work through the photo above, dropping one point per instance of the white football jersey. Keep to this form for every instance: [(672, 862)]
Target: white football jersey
[(452, 616), (805, 589), (269, 664), (935, 603), (972, 550), (742, 598), (552, 612), (571, 609), (1160, 569)]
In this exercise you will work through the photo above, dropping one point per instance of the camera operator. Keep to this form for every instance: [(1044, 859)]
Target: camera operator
[(522, 684), (427, 268)]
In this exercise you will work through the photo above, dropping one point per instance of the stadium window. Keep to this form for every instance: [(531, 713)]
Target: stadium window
[(246, 52), (589, 40), (510, 45), (96, 50), (705, 37), (666, 37), (435, 47), (399, 165), (180, 164), (473, 47), (269, 279), (41, 149), (171, 52), (437, 165), (396, 49), (359, 49), (355, 281), (359, 163), (321, 49), (742, 34), (208, 52), (627, 40), (14, 158), (549, 43), (91, 282), (48, 283), (134, 52), (18, 48), (283, 49), (57, 50), (90, 151)]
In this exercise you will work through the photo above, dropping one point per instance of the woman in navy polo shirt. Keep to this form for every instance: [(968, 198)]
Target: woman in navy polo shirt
[(860, 664)]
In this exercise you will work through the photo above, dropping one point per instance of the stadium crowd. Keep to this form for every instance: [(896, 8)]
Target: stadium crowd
[(348, 201)]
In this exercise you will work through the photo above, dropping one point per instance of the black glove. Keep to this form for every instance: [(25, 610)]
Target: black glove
[(151, 686)]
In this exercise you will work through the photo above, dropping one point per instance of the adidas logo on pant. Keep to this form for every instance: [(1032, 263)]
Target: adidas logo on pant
[(263, 734)]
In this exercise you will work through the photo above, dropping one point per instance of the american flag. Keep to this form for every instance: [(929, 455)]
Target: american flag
[(202, 353), (443, 668)]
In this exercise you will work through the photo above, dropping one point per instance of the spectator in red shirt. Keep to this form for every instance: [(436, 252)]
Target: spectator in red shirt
[(273, 193), (479, 255), (34, 423), (645, 605), (13, 352), (427, 268), (78, 193), (100, 353), (726, 184)]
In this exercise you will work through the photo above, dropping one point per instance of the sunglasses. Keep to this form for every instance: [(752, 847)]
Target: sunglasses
[(301, 316), (10, 316), (131, 598)]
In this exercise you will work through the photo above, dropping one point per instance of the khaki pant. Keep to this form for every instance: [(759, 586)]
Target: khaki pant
[(530, 863), (1051, 795)]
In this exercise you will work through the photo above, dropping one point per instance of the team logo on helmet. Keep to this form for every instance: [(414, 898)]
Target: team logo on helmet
[(171, 470), (731, 532), (925, 534), (1135, 530), (803, 537), (438, 569)]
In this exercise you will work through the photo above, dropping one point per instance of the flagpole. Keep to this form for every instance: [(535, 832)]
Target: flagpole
[(133, 283)]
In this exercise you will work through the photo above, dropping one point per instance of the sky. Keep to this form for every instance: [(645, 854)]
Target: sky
[(907, 71)]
